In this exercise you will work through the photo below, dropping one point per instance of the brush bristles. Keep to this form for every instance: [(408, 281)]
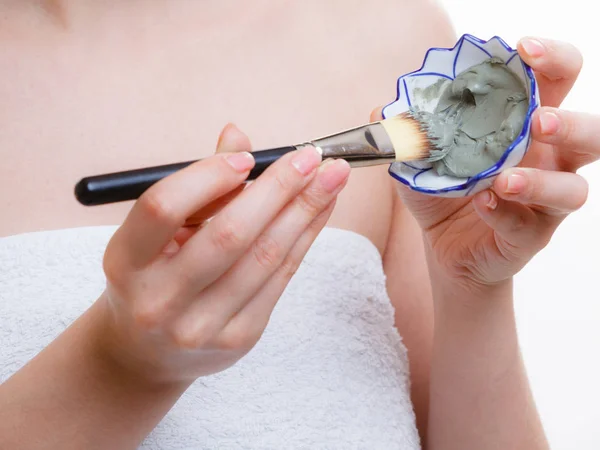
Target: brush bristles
[(411, 139)]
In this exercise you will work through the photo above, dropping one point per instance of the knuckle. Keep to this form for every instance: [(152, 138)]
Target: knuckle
[(155, 205), (240, 338), (149, 315), (568, 128), (310, 203), (227, 235), (113, 270), (288, 268), (286, 180), (321, 220), (186, 339), (267, 252), (186, 336), (317, 224), (534, 187), (116, 267)]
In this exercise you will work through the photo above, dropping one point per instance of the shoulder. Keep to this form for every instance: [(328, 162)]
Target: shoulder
[(389, 22)]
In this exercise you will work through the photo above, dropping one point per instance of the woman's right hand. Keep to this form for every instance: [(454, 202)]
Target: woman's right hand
[(180, 304)]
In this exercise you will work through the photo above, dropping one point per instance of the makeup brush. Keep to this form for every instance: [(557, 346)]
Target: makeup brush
[(399, 138)]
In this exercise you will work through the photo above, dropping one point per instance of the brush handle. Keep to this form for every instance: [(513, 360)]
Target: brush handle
[(131, 184)]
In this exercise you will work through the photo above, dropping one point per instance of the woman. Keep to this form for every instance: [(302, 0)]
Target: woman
[(158, 359)]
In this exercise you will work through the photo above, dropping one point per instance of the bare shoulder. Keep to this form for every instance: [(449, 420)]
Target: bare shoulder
[(406, 29), (391, 23)]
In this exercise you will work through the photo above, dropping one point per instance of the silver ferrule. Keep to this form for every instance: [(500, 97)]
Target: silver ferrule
[(367, 145)]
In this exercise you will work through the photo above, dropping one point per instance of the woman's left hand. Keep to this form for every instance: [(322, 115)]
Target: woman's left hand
[(490, 237)]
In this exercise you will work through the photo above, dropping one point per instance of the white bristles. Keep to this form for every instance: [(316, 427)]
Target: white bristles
[(409, 138)]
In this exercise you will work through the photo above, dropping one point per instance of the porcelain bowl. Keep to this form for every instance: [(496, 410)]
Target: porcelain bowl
[(448, 63)]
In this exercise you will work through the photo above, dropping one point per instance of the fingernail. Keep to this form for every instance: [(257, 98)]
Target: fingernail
[(491, 201), (533, 47), (242, 162), (549, 123), (515, 183), (333, 173), (306, 160)]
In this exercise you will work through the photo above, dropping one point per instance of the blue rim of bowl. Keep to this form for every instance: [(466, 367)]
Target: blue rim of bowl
[(488, 173)]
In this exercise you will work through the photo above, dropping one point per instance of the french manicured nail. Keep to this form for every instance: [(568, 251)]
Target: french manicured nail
[(515, 183), (242, 162), (549, 123), (533, 47), (491, 201), (333, 173), (306, 160)]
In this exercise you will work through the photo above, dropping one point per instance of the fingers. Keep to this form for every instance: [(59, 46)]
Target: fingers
[(228, 236), (526, 205), (163, 209), (515, 224), (211, 210), (556, 63), (249, 323), (574, 135), (553, 193), (269, 254), (231, 140)]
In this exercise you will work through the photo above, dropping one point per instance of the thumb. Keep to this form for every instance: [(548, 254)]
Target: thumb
[(233, 140), (520, 230), (376, 114)]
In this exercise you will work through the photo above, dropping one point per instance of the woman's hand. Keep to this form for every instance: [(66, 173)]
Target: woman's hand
[(184, 302), (489, 238)]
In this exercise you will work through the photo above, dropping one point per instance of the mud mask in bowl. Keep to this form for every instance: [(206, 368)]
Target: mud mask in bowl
[(477, 99)]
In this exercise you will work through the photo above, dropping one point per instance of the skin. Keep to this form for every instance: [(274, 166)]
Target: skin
[(135, 124), (122, 365), (475, 343)]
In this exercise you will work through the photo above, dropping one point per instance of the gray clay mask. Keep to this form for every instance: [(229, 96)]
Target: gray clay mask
[(479, 114)]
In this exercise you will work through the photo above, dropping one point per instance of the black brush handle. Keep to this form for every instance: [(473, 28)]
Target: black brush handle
[(131, 184)]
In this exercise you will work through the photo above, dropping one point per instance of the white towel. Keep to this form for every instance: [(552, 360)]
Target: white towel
[(330, 372)]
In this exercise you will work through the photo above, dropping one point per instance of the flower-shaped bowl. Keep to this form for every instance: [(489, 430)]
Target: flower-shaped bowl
[(448, 63)]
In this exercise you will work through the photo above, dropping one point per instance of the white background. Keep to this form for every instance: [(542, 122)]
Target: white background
[(558, 294)]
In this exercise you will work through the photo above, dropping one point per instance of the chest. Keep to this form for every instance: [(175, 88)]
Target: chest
[(77, 104)]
